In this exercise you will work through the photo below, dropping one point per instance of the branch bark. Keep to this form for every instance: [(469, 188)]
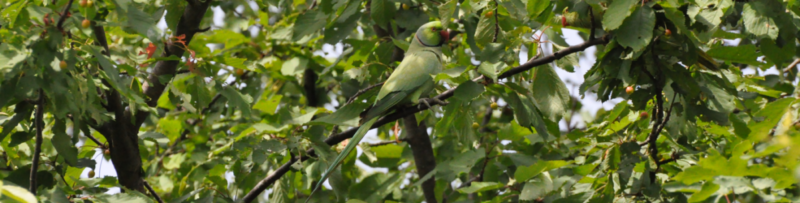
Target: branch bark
[(37, 150), (188, 25), (403, 112), (153, 192), (60, 24), (310, 87), (417, 138), (122, 132)]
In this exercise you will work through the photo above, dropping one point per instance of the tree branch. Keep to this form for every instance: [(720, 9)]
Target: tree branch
[(188, 25), (362, 91), (96, 141), (383, 143), (152, 192), (60, 24), (420, 143), (38, 147), (403, 112), (591, 17), (496, 22), (123, 143), (310, 86), (791, 65)]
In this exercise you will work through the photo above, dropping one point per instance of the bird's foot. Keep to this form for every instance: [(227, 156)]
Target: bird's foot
[(429, 101)]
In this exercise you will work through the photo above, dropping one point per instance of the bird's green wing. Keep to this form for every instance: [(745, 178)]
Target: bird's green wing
[(415, 70), (389, 101)]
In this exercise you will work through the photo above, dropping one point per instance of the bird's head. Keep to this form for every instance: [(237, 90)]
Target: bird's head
[(432, 34)]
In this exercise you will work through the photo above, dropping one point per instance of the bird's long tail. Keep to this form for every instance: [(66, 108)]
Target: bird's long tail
[(360, 133)]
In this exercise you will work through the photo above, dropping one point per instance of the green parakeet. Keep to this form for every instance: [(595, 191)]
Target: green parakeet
[(409, 82)]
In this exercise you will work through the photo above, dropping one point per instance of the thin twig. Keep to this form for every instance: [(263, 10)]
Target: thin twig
[(486, 118), (96, 141), (383, 143), (496, 22), (152, 192), (64, 15), (362, 91), (791, 65), (38, 147), (403, 112), (591, 17)]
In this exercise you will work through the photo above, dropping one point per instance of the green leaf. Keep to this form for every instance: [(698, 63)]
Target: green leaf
[(526, 113), (164, 101), (677, 18), (308, 23), (174, 161), (739, 127), (127, 197), (777, 55), (523, 173), (21, 111), (20, 137), (237, 99), (745, 53), (516, 9), (617, 12), (345, 116), (229, 39), (709, 188), (480, 187), (536, 7), (58, 196), (294, 66), (63, 143), (485, 31), (401, 43), (18, 193), (388, 151), (536, 189), (268, 105), (771, 115), (446, 11), (382, 12), (468, 91), (171, 128), (637, 30), (174, 13), (492, 53), (143, 23), (340, 30), (550, 93), (756, 20), (490, 69), (7, 89)]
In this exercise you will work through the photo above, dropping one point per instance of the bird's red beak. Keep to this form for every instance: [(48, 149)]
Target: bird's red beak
[(445, 35)]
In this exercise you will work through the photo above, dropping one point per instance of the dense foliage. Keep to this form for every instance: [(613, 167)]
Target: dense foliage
[(252, 110)]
